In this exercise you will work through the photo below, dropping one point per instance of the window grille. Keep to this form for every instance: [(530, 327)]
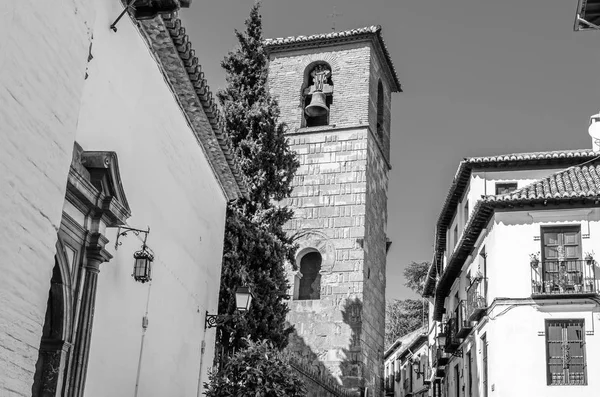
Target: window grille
[(565, 352)]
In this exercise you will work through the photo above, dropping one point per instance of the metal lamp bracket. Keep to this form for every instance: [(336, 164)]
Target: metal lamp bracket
[(128, 7), (123, 230)]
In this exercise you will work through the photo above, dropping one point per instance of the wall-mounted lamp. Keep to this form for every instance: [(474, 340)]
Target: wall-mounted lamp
[(243, 300), (416, 365), (441, 339), (142, 266)]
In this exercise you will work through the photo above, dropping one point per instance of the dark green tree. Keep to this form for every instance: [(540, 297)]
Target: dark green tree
[(406, 315), (256, 246), (258, 370)]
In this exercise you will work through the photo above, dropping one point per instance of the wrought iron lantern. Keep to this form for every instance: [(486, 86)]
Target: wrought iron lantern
[(243, 300), (142, 268), (142, 265), (441, 339)]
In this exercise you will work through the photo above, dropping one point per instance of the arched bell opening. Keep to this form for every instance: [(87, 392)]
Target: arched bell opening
[(317, 95), (54, 345)]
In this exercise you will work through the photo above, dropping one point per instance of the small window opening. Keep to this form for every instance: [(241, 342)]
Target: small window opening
[(505, 188), (310, 283), (380, 101)]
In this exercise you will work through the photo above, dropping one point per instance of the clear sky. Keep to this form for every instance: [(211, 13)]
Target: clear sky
[(480, 77)]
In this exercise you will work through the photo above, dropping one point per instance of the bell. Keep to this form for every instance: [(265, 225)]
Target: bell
[(317, 106)]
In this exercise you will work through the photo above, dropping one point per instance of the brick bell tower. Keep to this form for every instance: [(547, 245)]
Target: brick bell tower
[(334, 92)]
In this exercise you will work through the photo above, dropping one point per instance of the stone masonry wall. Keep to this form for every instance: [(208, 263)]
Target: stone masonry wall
[(340, 210), (375, 263), (350, 72), (329, 205), (44, 47)]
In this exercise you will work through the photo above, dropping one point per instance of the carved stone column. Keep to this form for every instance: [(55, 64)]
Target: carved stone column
[(95, 254)]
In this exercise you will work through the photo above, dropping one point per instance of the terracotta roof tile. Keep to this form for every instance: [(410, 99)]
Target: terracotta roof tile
[(577, 181), (182, 70)]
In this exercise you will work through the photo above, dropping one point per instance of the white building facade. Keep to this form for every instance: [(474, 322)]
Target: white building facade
[(514, 283), (407, 365), (107, 129)]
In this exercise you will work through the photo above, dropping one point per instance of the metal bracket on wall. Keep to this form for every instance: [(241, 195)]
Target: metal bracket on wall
[(128, 7), (127, 230)]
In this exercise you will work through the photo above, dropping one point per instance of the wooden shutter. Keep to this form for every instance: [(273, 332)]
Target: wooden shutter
[(565, 352)]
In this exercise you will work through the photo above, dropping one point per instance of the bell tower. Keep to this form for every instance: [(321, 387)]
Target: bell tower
[(334, 92)]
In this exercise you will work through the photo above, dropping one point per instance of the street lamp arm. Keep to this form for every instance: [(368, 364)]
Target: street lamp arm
[(215, 320)]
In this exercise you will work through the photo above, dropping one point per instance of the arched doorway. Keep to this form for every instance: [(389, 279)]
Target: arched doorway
[(54, 345)]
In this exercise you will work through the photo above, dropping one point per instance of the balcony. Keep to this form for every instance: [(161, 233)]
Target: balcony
[(452, 340), (567, 278), (464, 325), (476, 299)]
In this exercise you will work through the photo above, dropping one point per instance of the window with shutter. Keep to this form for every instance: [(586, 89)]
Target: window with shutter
[(561, 259), (565, 352)]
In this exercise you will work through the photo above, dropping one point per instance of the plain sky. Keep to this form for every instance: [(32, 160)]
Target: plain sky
[(480, 77)]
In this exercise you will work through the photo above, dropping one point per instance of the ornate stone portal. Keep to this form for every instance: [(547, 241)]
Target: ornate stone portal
[(94, 201)]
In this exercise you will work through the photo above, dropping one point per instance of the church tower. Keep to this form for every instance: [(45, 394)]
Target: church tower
[(334, 92)]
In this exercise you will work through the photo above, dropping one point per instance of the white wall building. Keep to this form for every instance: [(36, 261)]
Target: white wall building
[(407, 365), (101, 130), (512, 285)]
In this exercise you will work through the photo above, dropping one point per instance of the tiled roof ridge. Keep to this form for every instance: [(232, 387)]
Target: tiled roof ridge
[(460, 178), (576, 181), (202, 89), (404, 339), (321, 36), (335, 36)]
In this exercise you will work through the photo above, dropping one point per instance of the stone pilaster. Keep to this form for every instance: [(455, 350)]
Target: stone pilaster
[(95, 255)]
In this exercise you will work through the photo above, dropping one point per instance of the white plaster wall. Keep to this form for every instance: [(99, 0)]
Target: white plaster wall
[(43, 54), (128, 108), (522, 367), (511, 240)]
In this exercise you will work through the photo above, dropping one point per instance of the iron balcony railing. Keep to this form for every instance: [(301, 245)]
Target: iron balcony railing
[(464, 325), (476, 299), (451, 330), (566, 277)]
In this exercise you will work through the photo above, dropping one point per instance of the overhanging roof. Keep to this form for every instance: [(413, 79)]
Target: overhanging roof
[(513, 161), (577, 185), (588, 15), (179, 64)]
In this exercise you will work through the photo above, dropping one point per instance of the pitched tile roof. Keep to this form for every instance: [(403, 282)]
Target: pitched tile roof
[(578, 181), (403, 343), (332, 38), (461, 180), (578, 184), (180, 66)]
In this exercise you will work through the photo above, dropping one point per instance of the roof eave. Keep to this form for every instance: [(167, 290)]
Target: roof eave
[(178, 63)]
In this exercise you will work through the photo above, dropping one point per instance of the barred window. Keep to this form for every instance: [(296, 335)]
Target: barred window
[(565, 352)]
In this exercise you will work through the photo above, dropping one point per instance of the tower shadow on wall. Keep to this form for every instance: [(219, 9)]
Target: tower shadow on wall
[(321, 381)]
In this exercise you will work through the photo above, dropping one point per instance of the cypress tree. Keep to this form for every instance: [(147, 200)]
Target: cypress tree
[(256, 246)]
